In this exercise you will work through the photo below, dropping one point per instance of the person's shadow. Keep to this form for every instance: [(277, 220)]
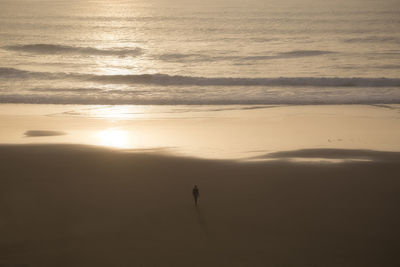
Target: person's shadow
[(202, 220)]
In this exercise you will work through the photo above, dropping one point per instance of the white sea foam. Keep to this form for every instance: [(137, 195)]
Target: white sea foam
[(189, 99), (209, 95)]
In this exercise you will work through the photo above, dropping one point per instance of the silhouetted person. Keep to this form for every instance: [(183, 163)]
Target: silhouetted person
[(196, 194)]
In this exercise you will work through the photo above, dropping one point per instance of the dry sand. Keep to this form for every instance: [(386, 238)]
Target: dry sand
[(69, 205)]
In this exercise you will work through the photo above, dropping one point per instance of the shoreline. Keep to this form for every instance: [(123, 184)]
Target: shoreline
[(279, 185), (214, 132)]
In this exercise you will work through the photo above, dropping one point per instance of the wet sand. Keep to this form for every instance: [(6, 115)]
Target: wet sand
[(214, 132), (74, 205)]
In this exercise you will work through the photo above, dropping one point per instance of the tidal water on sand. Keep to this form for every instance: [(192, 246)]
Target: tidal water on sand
[(199, 52)]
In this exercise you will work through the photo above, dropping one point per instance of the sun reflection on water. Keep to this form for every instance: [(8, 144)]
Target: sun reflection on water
[(118, 112)]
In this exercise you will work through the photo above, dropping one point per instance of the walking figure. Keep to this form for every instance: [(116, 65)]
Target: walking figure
[(196, 194)]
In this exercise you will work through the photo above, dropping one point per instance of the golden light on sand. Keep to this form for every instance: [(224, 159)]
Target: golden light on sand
[(112, 138)]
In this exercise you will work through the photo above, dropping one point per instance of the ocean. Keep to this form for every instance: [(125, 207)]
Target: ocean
[(162, 52)]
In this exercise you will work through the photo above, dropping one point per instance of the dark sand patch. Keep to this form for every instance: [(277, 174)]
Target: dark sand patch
[(82, 206), (330, 153), (39, 133)]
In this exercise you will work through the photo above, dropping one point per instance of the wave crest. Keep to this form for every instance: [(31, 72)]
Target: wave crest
[(181, 57), (53, 49), (163, 79), (179, 80), (259, 98)]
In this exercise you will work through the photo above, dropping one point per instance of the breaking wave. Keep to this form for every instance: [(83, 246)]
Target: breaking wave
[(304, 53), (53, 49), (180, 57), (163, 79), (11, 73), (206, 99), (372, 39), (179, 80)]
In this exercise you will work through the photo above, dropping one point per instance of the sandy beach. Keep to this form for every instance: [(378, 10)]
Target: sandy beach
[(284, 116), (211, 132), (66, 205), (67, 201)]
